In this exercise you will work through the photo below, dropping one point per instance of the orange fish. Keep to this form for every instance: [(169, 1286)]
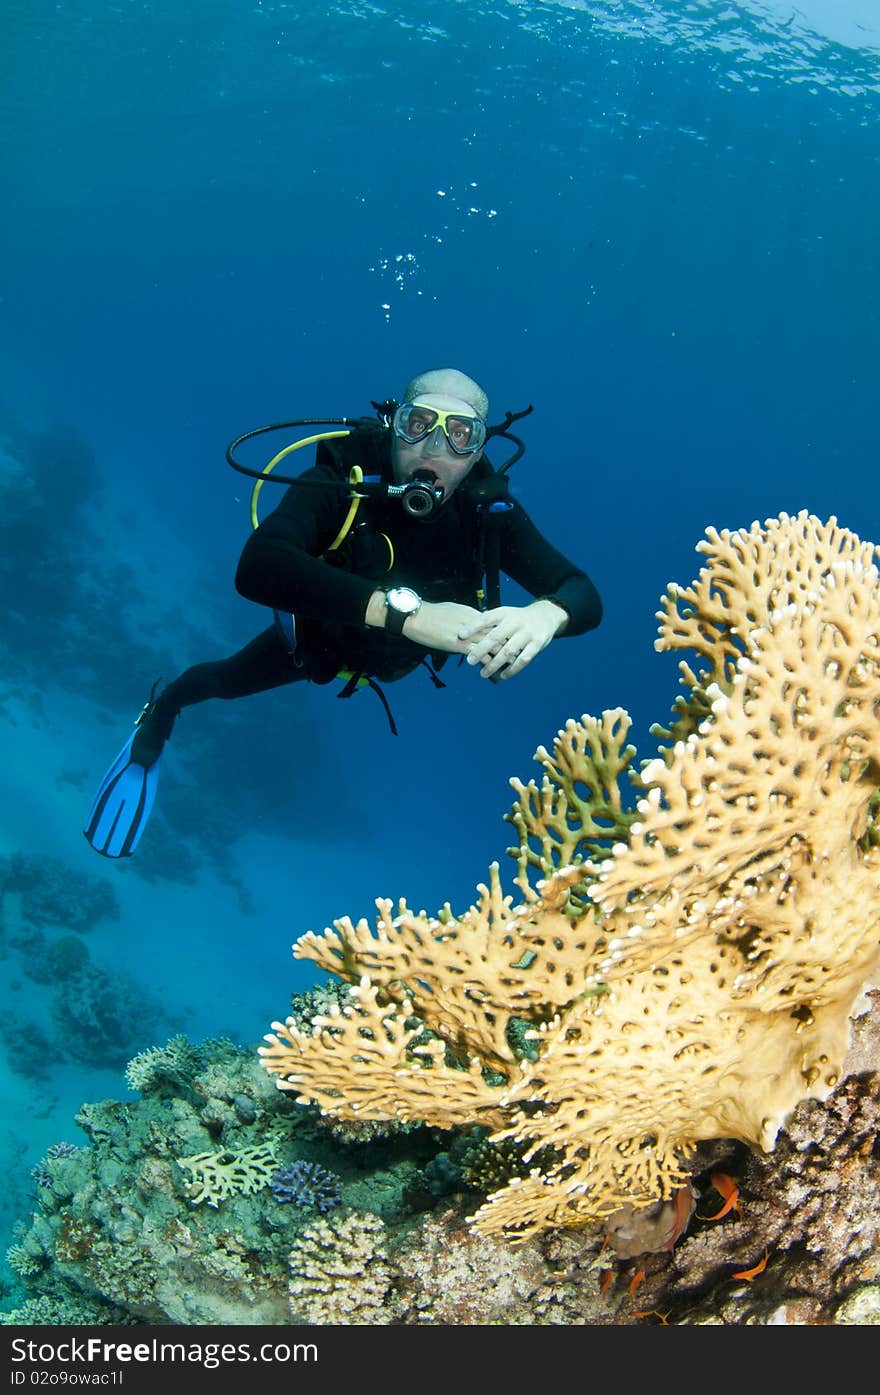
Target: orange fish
[(752, 1273), (726, 1187), (606, 1279), (683, 1207), (637, 1278)]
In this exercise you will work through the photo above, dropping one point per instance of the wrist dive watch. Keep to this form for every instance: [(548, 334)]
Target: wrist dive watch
[(400, 603)]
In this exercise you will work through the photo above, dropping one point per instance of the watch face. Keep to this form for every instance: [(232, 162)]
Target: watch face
[(402, 599)]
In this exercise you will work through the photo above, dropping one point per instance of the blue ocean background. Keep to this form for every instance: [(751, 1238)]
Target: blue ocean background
[(655, 222)]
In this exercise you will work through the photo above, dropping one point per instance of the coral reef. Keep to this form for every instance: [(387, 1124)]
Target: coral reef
[(815, 1206), (115, 1237), (447, 1275), (489, 1164), (116, 1221), (101, 1016), (167, 1213), (66, 957), (64, 1311), (80, 1010), (54, 894), (22, 1262), (687, 968), (91, 593)]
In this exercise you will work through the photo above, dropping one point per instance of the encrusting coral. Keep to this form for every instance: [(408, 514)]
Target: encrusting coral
[(686, 968)]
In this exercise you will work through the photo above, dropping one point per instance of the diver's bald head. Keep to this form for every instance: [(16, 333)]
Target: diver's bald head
[(449, 382)]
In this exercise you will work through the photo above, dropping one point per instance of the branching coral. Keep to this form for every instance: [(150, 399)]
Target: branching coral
[(339, 1273), (687, 967), (163, 1066), (43, 1170), (307, 1184)]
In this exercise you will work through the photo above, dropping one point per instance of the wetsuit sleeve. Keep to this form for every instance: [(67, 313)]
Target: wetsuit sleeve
[(531, 561), (280, 565)]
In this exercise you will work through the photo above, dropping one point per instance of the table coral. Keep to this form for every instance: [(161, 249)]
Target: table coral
[(687, 966)]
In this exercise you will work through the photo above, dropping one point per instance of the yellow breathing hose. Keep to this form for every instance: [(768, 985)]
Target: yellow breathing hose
[(297, 445), (355, 478)]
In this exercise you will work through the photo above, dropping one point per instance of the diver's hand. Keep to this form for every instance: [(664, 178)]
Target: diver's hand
[(435, 625), (506, 639), (438, 625)]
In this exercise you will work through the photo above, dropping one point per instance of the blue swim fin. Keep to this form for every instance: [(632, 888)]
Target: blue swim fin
[(122, 805)]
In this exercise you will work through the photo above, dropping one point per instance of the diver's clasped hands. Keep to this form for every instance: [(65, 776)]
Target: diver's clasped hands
[(503, 641)]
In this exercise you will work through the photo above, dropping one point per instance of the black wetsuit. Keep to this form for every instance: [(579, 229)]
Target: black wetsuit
[(286, 565)]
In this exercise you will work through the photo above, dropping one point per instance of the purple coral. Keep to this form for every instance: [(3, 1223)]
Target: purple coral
[(307, 1184)]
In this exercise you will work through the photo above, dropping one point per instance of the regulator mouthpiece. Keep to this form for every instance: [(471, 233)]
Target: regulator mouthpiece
[(420, 496)]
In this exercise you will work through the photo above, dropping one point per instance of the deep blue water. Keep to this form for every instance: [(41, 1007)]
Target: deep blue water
[(656, 223)]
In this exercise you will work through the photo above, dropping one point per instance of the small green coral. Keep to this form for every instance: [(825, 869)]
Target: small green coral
[(24, 1262), (316, 1001), (217, 1176), (486, 1166), (169, 1065)]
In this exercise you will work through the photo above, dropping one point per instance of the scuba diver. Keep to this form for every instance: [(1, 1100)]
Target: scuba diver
[(383, 556)]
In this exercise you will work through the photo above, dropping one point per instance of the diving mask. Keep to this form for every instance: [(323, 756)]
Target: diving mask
[(414, 422)]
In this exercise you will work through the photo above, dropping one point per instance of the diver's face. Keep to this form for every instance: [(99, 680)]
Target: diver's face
[(433, 455)]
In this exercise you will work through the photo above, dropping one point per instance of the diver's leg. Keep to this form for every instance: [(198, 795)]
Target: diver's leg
[(262, 664)]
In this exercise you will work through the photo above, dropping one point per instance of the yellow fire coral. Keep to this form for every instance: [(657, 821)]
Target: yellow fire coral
[(218, 1176), (687, 966)]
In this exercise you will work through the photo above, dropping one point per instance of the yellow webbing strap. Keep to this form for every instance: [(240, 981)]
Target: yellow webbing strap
[(346, 674)]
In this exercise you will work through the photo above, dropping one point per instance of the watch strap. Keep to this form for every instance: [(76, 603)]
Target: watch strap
[(394, 620)]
